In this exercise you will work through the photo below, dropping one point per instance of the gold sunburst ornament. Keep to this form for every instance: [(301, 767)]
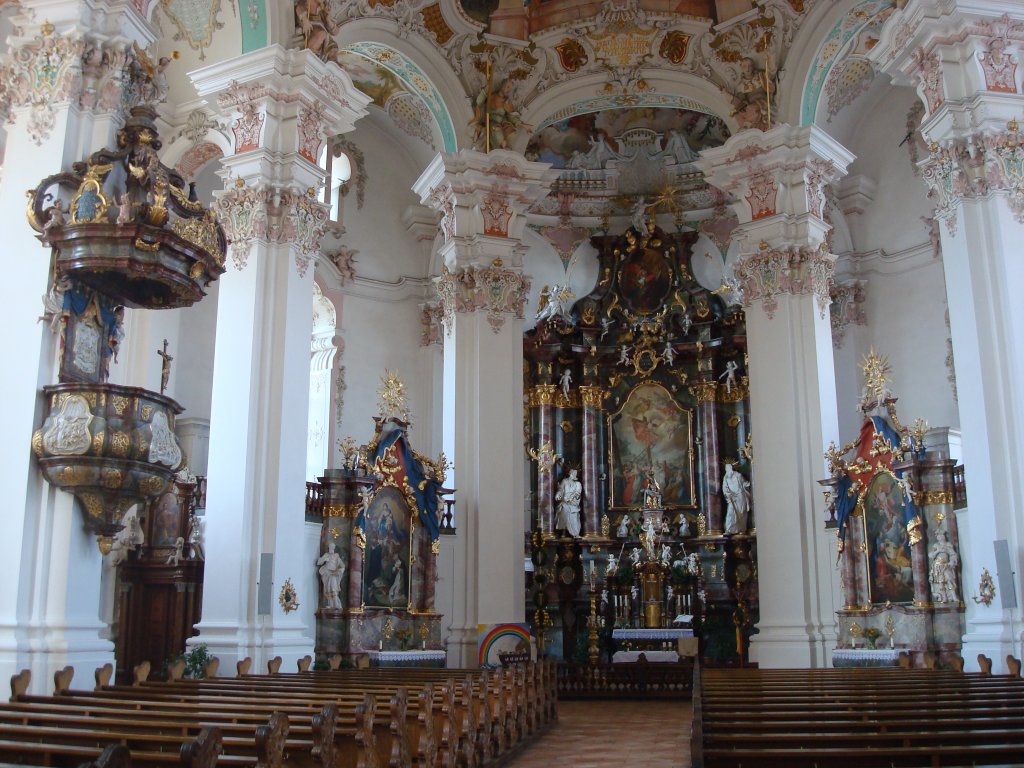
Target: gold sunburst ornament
[(876, 370), (392, 396)]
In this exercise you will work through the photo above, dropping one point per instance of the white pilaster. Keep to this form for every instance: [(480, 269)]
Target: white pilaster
[(777, 181), (50, 607), (971, 84), (483, 200), (282, 103)]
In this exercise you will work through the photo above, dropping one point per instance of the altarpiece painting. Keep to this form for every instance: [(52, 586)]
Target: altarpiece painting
[(388, 549), (890, 570), (651, 431)]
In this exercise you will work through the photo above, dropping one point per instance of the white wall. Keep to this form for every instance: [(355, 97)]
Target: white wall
[(906, 293)]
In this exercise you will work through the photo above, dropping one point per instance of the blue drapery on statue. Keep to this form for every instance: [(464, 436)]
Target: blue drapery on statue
[(891, 436), (846, 502), (424, 489)]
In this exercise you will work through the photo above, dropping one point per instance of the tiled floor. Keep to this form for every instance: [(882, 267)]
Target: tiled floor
[(595, 734)]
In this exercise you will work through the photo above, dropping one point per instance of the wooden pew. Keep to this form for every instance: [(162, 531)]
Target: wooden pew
[(879, 717), (443, 722)]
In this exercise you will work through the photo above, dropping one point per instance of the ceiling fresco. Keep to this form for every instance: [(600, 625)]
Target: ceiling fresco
[(577, 136)]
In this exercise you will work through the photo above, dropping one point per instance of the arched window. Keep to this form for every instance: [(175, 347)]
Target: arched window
[(339, 170)]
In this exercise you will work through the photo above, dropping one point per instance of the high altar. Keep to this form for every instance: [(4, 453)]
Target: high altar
[(892, 505), (637, 413), (378, 547)]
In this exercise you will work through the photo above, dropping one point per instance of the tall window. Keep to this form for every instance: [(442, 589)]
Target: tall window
[(339, 171)]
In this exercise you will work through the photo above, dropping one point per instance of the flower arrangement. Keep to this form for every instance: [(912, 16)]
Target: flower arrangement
[(403, 636), (872, 635)]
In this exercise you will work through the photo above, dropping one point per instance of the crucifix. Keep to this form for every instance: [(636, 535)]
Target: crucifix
[(165, 368)]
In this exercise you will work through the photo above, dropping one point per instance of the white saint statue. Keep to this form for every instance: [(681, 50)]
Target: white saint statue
[(570, 492), (331, 569), (623, 530), (736, 490), (942, 575)]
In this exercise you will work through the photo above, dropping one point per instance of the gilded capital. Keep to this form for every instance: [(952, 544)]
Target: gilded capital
[(593, 397), (542, 394)]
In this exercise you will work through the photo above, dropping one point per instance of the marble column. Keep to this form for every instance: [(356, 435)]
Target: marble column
[(483, 199), (777, 181), (592, 400), (73, 65), (970, 84), (280, 104), (542, 401), (704, 392)]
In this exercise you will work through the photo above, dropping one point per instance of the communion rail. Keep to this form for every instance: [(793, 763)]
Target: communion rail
[(639, 680)]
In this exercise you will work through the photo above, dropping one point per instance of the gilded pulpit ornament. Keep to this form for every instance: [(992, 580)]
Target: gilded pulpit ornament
[(289, 598), (392, 397)]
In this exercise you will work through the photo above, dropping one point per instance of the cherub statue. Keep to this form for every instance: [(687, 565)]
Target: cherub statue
[(634, 555), (624, 355), (730, 375), (124, 209), (176, 556), (666, 554), (56, 218), (613, 563)]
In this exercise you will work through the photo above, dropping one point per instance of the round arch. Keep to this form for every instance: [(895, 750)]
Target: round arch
[(419, 67), (823, 42)]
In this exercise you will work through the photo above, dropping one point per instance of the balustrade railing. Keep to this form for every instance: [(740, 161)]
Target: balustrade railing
[(199, 493), (314, 500), (624, 681), (959, 487), (448, 517)]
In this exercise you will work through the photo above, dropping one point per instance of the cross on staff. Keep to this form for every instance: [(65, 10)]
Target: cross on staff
[(165, 367)]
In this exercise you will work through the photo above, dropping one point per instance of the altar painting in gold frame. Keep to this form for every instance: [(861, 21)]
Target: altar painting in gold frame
[(388, 554), (651, 431), (890, 567)]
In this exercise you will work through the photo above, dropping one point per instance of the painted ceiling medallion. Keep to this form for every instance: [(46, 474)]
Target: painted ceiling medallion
[(196, 21)]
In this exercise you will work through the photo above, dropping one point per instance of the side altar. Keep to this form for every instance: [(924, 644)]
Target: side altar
[(892, 505), (638, 423), (379, 545)]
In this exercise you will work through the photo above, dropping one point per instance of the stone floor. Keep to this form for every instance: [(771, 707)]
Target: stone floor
[(595, 734)]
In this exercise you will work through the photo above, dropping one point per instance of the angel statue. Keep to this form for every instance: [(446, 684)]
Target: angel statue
[(149, 85), (495, 121)]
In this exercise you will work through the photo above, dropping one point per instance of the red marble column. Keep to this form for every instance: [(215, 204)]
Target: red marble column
[(542, 400), (704, 392), (429, 557), (592, 399), (712, 463), (355, 568)]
